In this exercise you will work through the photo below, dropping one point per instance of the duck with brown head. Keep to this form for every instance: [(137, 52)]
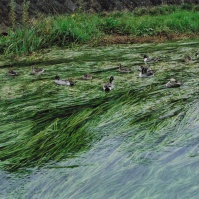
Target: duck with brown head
[(87, 76), (187, 58), (123, 69), (149, 60), (37, 71), (172, 83)]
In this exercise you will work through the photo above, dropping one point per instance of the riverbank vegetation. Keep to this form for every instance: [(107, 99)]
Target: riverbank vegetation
[(169, 22)]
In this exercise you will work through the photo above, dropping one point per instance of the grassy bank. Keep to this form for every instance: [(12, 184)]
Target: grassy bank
[(81, 28)]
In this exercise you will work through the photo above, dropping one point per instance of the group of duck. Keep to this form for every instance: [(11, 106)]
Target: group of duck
[(34, 71), (145, 72)]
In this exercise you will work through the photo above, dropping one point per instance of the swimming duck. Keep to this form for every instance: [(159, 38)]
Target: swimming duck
[(147, 59), (109, 86), (124, 69), (63, 82), (146, 72), (187, 58), (12, 73), (37, 71), (173, 84), (87, 77)]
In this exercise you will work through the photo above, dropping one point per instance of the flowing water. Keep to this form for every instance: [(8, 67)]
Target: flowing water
[(138, 141)]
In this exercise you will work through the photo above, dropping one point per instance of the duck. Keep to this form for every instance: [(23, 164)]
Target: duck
[(37, 71), (187, 58), (12, 73), (147, 59), (63, 82), (87, 77), (142, 68), (172, 83), (146, 72), (124, 69), (109, 86)]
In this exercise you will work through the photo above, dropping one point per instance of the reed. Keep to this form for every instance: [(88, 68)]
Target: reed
[(12, 14), (25, 14)]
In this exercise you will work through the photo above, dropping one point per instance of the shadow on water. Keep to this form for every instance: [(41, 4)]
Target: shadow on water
[(137, 141)]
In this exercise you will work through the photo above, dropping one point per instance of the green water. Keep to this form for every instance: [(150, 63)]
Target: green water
[(138, 141)]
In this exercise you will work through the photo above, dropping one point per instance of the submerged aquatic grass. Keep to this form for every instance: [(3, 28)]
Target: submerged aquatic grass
[(43, 122)]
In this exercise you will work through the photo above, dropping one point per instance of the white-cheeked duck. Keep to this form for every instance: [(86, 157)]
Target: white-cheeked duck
[(146, 72), (63, 82), (108, 86)]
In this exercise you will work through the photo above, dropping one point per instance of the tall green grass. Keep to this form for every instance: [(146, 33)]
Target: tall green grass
[(87, 28)]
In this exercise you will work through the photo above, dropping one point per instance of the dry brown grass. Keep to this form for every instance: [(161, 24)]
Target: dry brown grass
[(118, 39)]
